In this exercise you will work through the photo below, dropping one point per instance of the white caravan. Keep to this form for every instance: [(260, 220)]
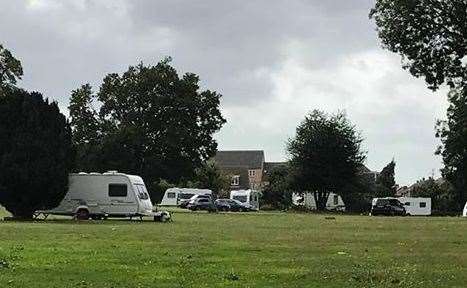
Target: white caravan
[(465, 210), (110, 194), (173, 196), (334, 203), (249, 198), (416, 206)]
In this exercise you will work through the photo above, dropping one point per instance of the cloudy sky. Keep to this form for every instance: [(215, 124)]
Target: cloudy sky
[(273, 61)]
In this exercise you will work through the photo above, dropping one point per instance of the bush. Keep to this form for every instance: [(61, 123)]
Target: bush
[(36, 153)]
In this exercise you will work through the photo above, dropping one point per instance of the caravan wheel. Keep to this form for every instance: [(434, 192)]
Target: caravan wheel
[(82, 214)]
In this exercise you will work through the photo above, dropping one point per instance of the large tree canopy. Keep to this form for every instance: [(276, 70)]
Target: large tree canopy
[(453, 135), (150, 121), (325, 155), (10, 68), (35, 153), (430, 35)]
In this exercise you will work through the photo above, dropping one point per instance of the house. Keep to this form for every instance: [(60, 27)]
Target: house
[(245, 166)]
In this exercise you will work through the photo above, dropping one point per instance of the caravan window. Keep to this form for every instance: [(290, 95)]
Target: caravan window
[(142, 192), (422, 204), (185, 195), (171, 195), (118, 190)]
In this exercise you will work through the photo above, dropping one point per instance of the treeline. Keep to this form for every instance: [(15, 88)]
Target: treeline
[(148, 121)]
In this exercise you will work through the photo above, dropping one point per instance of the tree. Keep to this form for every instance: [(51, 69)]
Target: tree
[(278, 192), (440, 193), (453, 135), (36, 153), (209, 176), (430, 35), (385, 183), (151, 122), (87, 135), (10, 68), (325, 155)]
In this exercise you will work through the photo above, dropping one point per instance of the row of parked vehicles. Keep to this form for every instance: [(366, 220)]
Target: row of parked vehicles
[(202, 199), (402, 206)]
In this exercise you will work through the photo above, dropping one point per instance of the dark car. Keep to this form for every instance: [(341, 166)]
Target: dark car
[(202, 204), (222, 204), (388, 207), (230, 205)]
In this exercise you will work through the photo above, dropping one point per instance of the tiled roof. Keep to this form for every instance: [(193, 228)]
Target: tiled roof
[(251, 159)]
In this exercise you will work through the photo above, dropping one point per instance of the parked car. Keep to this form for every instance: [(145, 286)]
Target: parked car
[(465, 210), (184, 202), (232, 205), (201, 203), (387, 206)]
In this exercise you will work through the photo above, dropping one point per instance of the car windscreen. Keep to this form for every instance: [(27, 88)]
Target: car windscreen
[(382, 202), (241, 198)]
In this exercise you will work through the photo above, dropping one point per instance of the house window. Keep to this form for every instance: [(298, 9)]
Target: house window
[(235, 180), (118, 190), (422, 204), (251, 173), (171, 195), (336, 199)]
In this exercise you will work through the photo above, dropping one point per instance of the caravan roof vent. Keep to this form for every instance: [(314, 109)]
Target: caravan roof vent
[(111, 172)]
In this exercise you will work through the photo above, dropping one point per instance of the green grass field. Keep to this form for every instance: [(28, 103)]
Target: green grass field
[(236, 250)]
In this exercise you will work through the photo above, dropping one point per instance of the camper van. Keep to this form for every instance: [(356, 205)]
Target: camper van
[(175, 196), (416, 206), (98, 196), (249, 198), (307, 200)]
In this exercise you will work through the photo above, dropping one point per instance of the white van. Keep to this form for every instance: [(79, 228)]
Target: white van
[(174, 196), (416, 206), (110, 194), (465, 210), (249, 198)]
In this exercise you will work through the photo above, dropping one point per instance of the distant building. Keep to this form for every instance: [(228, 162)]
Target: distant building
[(247, 168), (244, 166)]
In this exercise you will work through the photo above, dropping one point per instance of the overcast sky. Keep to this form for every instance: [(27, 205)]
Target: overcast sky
[(273, 62)]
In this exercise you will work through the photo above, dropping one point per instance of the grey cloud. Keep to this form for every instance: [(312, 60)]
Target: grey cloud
[(244, 50)]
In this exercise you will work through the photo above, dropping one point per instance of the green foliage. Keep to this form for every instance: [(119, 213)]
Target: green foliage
[(10, 68), (325, 155), (430, 35), (151, 122), (36, 153), (385, 183), (209, 176), (157, 189), (358, 194), (440, 192), (453, 135), (278, 192)]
